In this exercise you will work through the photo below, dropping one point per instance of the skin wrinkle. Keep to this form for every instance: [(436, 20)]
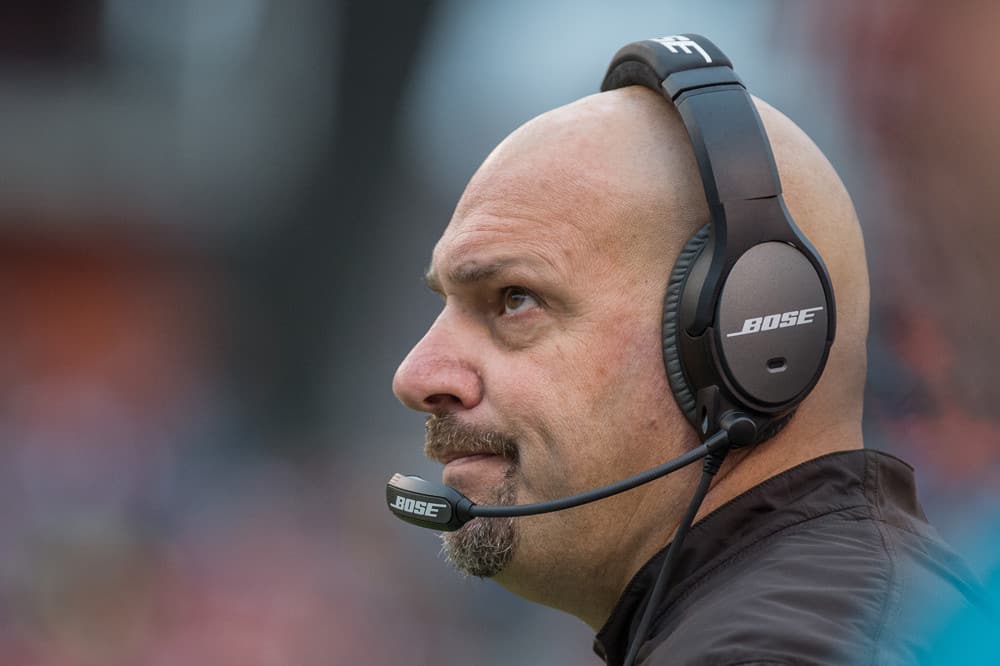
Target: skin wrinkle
[(606, 190), (467, 252), (467, 240)]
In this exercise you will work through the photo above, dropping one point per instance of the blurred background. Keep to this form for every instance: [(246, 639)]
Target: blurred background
[(214, 218)]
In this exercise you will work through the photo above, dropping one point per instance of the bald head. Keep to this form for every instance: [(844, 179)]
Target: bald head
[(617, 165), (617, 172)]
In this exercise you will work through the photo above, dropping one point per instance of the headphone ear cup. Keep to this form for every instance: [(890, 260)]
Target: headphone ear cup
[(683, 393)]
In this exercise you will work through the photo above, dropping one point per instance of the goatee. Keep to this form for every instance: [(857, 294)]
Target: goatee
[(484, 546)]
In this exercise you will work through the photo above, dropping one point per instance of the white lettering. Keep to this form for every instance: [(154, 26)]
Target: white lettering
[(770, 322), (429, 509), (750, 326), (806, 316), (684, 43), (778, 320)]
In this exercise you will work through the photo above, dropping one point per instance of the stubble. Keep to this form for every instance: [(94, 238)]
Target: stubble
[(484, 546)]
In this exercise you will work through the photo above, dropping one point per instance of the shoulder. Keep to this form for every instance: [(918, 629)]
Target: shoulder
[(836, 589)]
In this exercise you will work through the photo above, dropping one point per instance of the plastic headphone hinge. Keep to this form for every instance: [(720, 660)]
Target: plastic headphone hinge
[(741, 428), (707, 410)]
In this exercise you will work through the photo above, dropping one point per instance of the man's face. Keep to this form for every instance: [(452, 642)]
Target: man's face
[(546, 358)]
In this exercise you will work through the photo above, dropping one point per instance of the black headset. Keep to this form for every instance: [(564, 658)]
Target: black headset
[(748, 316)]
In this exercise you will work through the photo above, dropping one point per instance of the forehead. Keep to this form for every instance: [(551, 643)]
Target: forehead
[(558, 218), (496, 237), (487, 245)]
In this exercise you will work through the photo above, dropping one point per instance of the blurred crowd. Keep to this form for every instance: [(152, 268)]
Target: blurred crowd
[(213, 221), (928, 121)]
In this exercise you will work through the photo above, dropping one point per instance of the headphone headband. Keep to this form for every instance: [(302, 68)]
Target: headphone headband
[(730, 145), (743, 192)]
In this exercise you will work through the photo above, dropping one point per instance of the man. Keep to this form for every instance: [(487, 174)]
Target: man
[(543, 377)]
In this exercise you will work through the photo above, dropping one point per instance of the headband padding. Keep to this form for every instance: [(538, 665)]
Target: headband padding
[(659, 59), (631, 73)]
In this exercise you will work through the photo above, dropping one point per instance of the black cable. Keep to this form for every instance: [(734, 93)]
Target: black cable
[(717, 442), (712, 464)]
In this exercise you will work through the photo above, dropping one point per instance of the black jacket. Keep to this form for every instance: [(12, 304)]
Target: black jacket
[(831, 562)]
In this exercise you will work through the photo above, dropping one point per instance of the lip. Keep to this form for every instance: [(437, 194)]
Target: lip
[(463, 459), (476, 472)]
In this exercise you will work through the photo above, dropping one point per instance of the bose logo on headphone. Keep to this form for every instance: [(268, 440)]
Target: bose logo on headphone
[(684, 43), (773, 321), (429, 509)]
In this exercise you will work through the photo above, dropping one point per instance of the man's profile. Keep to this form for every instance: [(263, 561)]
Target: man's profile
[(544, 377)]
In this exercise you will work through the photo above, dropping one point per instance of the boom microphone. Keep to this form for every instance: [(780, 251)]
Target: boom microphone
[(440, 507)]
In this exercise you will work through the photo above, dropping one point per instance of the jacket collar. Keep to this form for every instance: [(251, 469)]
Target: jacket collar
[(833, 482)]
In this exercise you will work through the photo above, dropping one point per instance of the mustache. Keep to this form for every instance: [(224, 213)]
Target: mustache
[(447, 438)]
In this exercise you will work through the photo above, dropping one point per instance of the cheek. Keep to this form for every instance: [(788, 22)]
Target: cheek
[(590, 375), (619, 366), (585, 406)]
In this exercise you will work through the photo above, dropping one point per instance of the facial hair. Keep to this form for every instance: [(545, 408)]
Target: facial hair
[(483, 546)]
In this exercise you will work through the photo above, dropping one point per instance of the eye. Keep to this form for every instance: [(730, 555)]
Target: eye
[(517, 299)]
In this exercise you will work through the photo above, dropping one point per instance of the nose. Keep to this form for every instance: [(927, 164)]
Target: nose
[(438, 376)]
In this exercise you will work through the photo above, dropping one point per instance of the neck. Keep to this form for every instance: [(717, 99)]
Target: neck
[(793, 446), (743, 470)]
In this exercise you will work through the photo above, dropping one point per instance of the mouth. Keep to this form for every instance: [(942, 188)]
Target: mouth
[(475, 459), (457, 458), (476, 470)]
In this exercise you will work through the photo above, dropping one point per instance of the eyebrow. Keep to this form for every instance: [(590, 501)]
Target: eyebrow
[(469, 273)]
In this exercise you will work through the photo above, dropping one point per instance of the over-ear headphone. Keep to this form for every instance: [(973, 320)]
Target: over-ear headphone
[(748, 316)]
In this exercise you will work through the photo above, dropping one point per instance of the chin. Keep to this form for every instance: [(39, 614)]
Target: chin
[(484, 547)]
